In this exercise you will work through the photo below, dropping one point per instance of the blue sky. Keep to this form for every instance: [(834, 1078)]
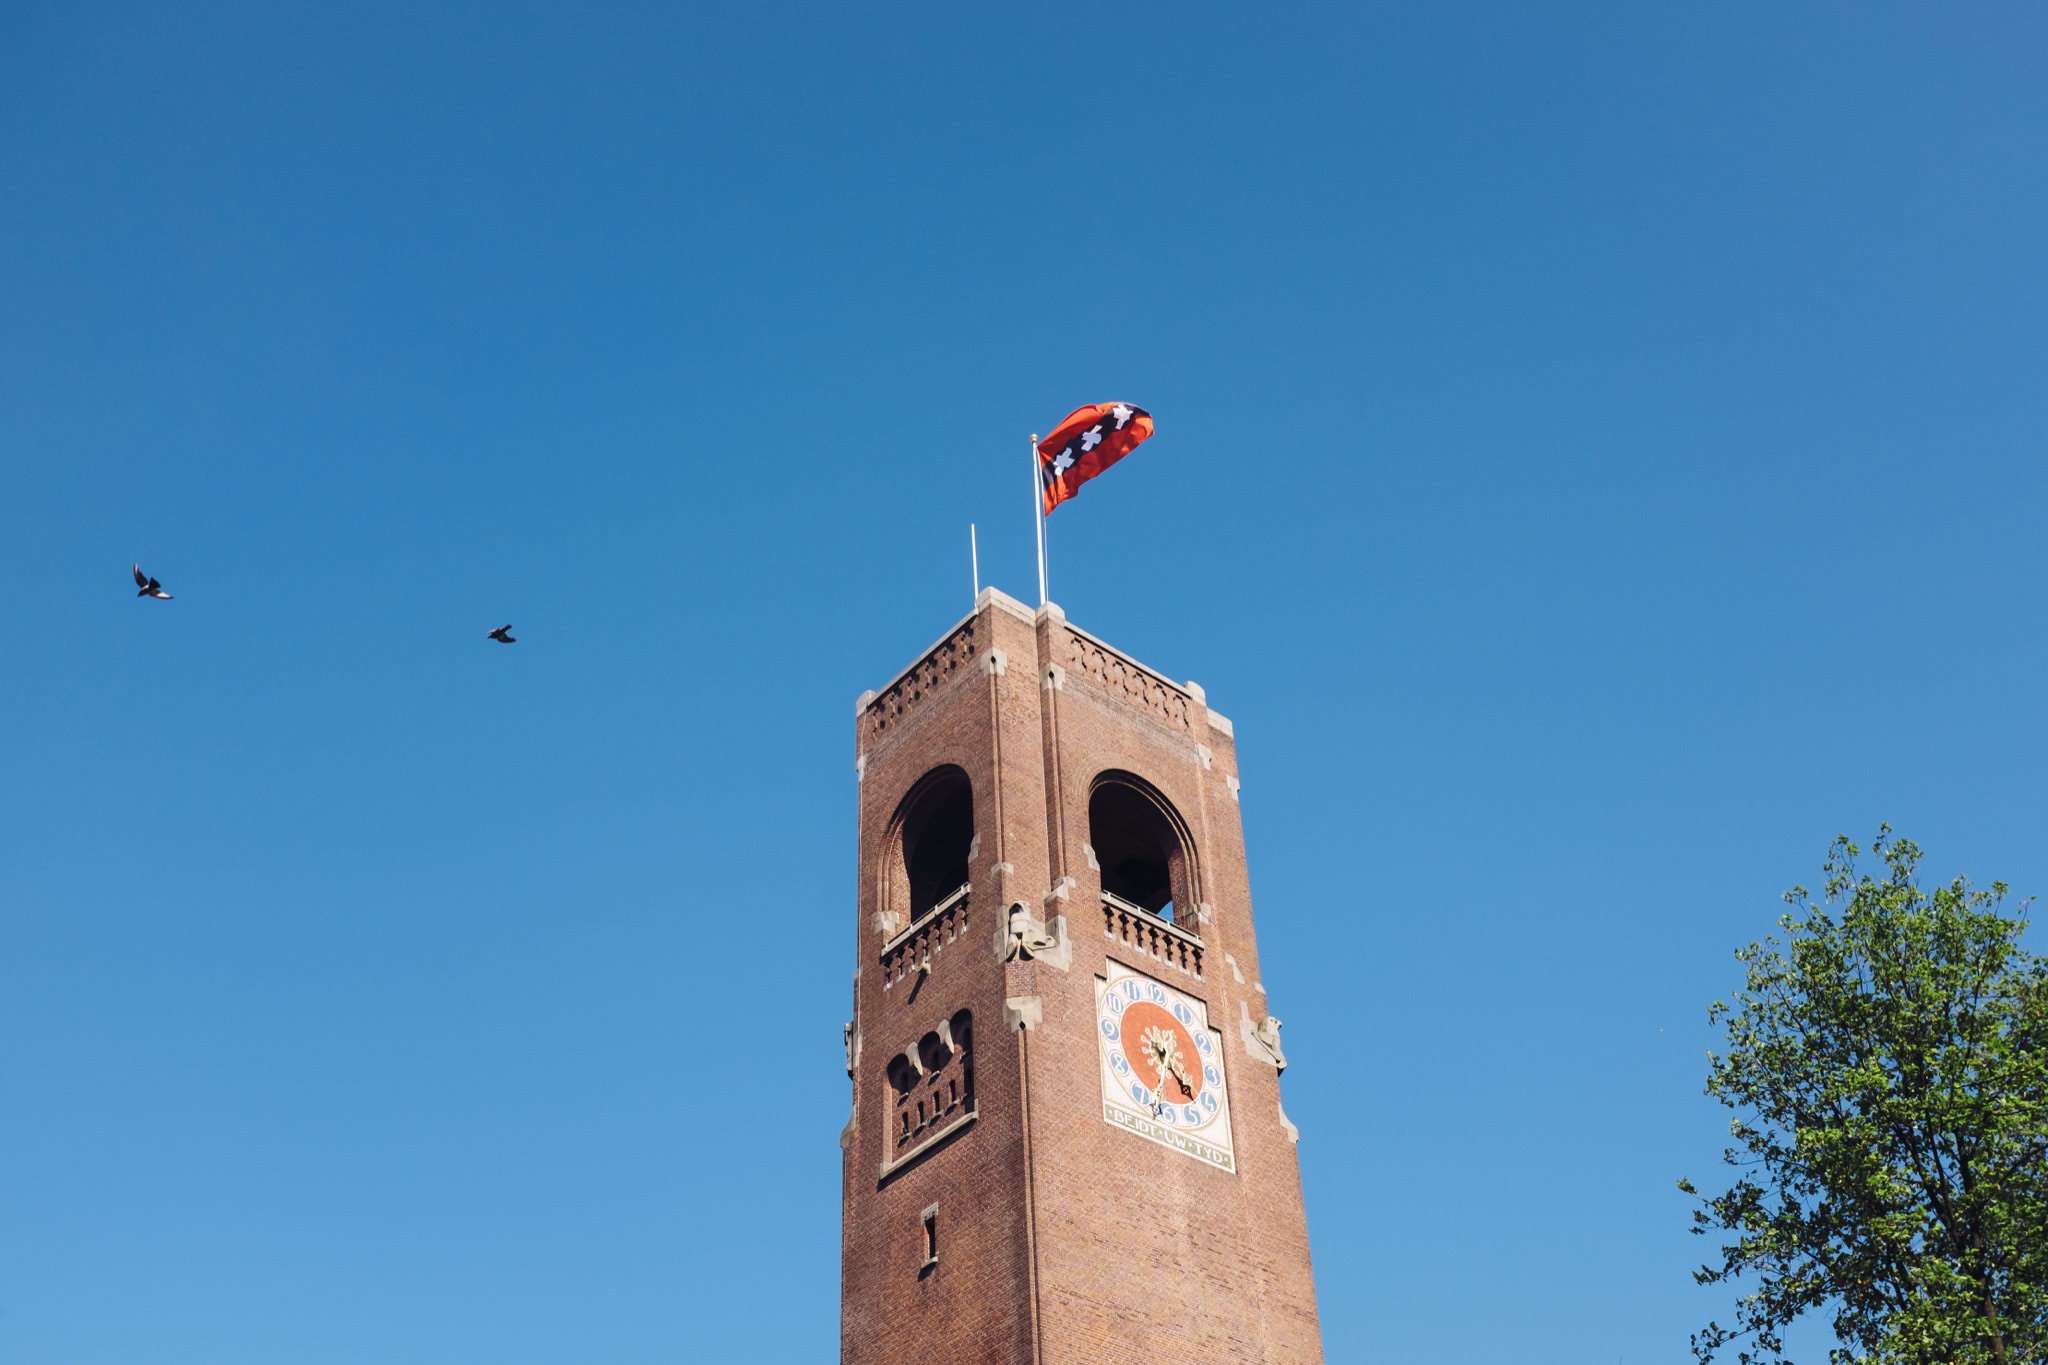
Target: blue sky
[(1599, 458)]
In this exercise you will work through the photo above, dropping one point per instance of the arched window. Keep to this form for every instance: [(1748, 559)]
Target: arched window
[(1142, 847), (931, 1086), (934, 829)]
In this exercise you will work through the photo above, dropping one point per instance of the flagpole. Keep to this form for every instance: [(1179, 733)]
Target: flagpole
[(974, 558), (1038, 515)]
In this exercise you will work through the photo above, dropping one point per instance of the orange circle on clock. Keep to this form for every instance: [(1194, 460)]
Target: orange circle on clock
[(1146, 1030)]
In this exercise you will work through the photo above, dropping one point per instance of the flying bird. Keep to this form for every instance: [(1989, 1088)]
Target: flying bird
[(149, 586), (503, 635)]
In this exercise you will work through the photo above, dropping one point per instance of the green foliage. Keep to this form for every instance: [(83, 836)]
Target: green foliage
[(1888, 1068)]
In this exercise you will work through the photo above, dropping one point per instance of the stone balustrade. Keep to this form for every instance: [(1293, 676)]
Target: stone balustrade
[(925, 939), (1142, 931)]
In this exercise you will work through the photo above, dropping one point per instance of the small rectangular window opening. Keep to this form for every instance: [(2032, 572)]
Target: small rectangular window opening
[(931, 1240)]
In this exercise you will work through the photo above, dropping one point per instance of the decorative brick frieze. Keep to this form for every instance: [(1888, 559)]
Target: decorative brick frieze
[(921, 680), (1131, 681)]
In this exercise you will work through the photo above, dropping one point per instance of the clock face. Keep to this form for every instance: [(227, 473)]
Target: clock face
[(1162, 1066)]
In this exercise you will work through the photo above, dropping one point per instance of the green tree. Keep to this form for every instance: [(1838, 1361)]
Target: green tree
[(1888, 1067)]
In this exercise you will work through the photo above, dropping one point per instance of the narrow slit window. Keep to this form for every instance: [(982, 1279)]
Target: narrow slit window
[(931, 1238)]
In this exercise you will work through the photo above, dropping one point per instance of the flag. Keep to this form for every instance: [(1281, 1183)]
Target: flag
[(1090, 440)]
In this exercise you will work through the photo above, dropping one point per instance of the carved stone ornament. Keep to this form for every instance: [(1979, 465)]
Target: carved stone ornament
[(1024, 938), (1262, 1040), (1267, 1031)]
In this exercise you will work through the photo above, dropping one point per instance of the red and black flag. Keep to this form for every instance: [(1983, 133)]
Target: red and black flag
[(1090, 440)]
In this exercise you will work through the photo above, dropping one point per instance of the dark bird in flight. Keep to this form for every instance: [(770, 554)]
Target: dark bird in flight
[(149, 586), (503, 635)]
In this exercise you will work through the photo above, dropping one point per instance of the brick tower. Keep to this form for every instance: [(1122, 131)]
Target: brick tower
[(1067, 1146)]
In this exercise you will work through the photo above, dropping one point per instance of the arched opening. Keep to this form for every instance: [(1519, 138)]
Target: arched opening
[(934, 833), (931, 1086), (1142, 848)]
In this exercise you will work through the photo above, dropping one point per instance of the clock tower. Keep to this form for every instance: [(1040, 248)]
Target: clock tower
[(1067, 1145)]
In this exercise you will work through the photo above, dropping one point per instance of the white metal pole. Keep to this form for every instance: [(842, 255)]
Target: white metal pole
[(974, 558), (1038, 513)]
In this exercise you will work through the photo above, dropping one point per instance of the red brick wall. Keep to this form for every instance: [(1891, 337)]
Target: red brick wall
[(1062, 1239)]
